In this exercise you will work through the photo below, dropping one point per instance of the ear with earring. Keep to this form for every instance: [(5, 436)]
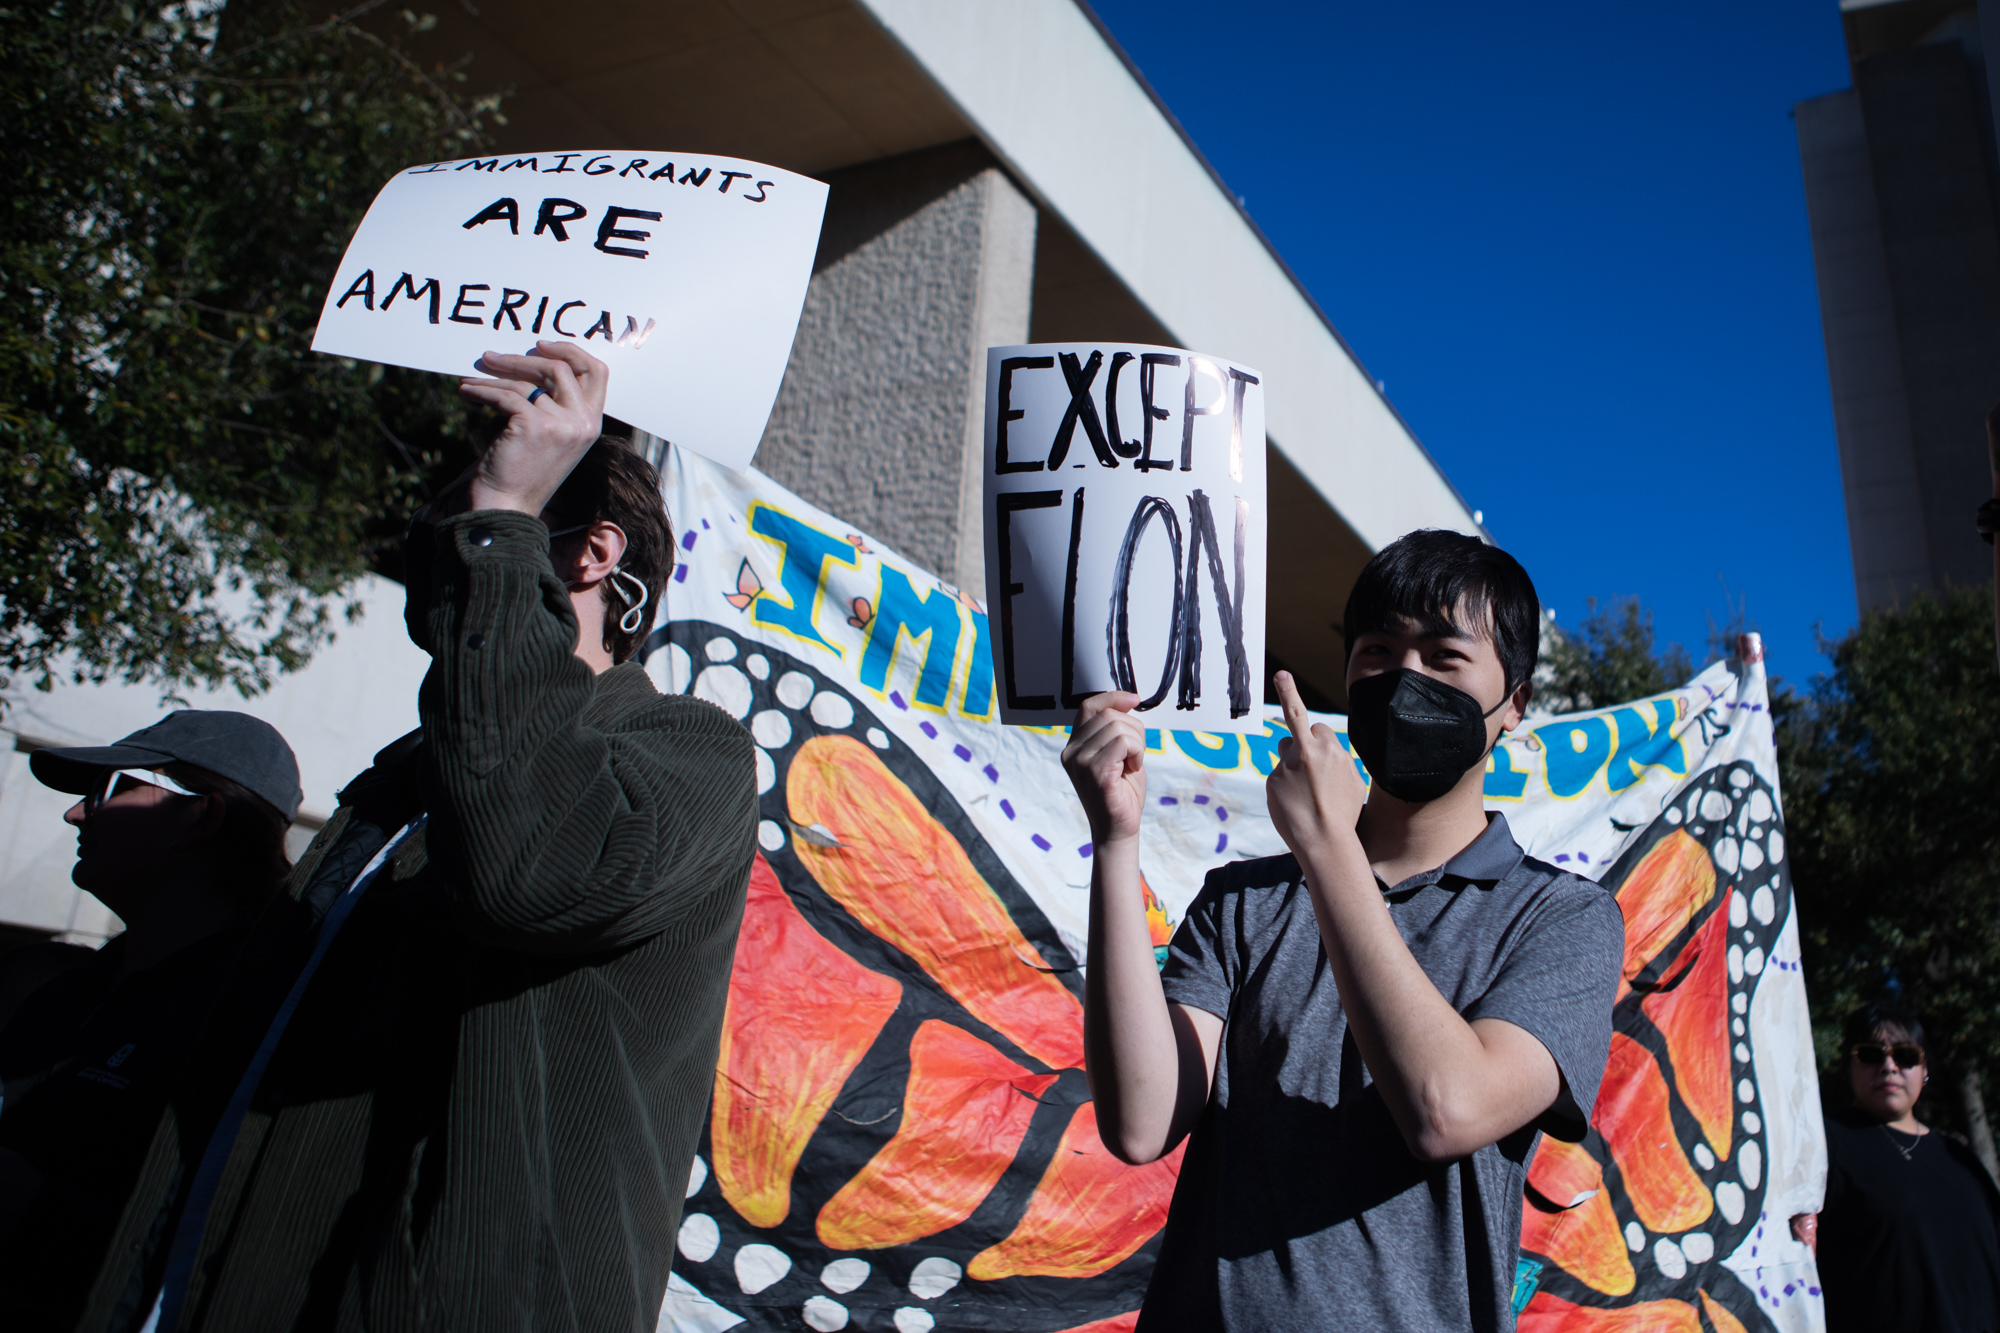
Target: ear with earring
[(629, 622)]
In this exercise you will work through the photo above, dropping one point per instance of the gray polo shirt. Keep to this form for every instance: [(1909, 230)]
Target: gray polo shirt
[(1299, 1206)]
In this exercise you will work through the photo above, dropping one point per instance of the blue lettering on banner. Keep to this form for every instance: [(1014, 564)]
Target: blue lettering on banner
[(803, 551), (1643, 746), (931, 625), (1504, 782), (978, 701), (1225, 752), (1573, 751)]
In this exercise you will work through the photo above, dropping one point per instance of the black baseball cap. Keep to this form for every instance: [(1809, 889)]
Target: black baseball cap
[(246, 750)]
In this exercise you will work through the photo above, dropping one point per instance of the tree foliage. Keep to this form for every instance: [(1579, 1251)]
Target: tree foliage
[(184, 488), (1610, 659), (1891, 768)]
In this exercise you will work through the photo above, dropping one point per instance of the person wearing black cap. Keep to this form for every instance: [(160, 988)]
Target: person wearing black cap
[(459, 1075), (181, 832)]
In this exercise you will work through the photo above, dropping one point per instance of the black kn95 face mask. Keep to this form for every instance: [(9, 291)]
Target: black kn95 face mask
[(1416, 734)]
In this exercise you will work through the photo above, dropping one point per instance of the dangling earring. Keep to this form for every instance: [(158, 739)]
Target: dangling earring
[(629, 622)]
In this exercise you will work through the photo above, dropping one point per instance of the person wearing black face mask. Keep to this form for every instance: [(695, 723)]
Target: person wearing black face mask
[(1361, 1040)]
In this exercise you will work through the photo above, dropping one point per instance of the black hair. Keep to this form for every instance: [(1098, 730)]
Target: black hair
[(612, 483), (1429, 577), (247, 851), (1870, 1022)]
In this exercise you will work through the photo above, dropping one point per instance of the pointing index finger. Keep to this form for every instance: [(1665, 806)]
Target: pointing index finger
[(1294, 707)]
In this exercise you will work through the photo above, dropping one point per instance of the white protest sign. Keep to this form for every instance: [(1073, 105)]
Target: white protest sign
[(683, 273), (1125, 531)]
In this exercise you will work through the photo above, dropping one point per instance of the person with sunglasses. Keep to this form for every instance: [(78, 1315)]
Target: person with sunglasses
[(181, 832), (1909, 1235)]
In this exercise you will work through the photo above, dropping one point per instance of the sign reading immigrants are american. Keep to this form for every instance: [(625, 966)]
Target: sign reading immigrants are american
[(1125, 527), (683, 273)]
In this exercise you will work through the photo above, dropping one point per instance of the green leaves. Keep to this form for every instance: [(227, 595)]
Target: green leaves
[(1891, 770), (184, 487)]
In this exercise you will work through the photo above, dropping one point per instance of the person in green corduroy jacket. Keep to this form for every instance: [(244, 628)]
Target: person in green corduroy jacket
[(458, 1081)]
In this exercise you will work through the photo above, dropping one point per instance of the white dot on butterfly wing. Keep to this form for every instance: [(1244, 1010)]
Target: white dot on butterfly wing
[(824, 1314), (699, 1238), (1703, 1157), (758, 665), (1698, 1246), (1753, 962), (769, 836), (832, 711), (794, 689), (767, 772), (725, 687), (759, 1266), (933, 1277), (1635, 1237), (721, 649), (844, 1275), (697, 1176), (1750, 1164), (1739, 911), (880, 740), (1764, 905), (1672, 1263), (910, 1319), (771, 729), (1729, 1198)]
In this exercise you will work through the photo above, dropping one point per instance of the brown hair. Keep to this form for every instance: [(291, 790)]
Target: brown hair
[(247, 853), (611, 483)]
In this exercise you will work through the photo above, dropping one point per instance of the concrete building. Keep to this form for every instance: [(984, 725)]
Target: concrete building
[(1000, 173), (1901, 180)]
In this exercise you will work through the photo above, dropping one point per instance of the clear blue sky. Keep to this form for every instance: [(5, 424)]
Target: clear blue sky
[(1571, 239)]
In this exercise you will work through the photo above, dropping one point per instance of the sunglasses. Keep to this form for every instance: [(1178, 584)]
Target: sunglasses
[(120, 780), (1906, 1057)]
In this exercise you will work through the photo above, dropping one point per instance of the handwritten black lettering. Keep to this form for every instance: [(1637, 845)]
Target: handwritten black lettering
[(1070, 698), (480, 164), (729, 176), (1117, 633), (562, 163), (509, 304), (1149, 364), (406, 284), (500, 210), (689, 178), (425, 171), (528, 162), (761, 196), (608, 229), (667, 171), (463, 304), (550, 220), (1008, 366), (1007, 505), (603, 326), (1123, 448), (593, 163), (1228, 607), (364, 287), (540, 310), (637, 164), (1080, 378), (1197, 365), (556, 322), (1240, 380)]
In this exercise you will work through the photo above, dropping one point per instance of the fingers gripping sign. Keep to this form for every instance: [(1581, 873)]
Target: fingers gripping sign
[(1106, 763), (554, 401), (1314, 793)]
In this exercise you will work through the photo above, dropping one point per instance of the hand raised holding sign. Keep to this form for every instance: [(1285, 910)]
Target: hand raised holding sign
[(554, 401), (1314, 793), (1106, 763)]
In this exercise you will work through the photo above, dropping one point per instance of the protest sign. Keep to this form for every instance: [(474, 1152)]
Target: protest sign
[(902, 1134), (1125, 563), (685, 274)]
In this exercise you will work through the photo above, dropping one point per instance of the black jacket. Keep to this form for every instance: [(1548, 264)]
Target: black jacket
[(483, 1113)]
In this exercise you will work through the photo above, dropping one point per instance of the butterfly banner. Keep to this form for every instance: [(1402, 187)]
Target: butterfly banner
[(902, 1136)]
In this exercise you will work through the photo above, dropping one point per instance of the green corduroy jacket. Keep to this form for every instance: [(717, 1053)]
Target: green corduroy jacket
[(483, 1114)]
